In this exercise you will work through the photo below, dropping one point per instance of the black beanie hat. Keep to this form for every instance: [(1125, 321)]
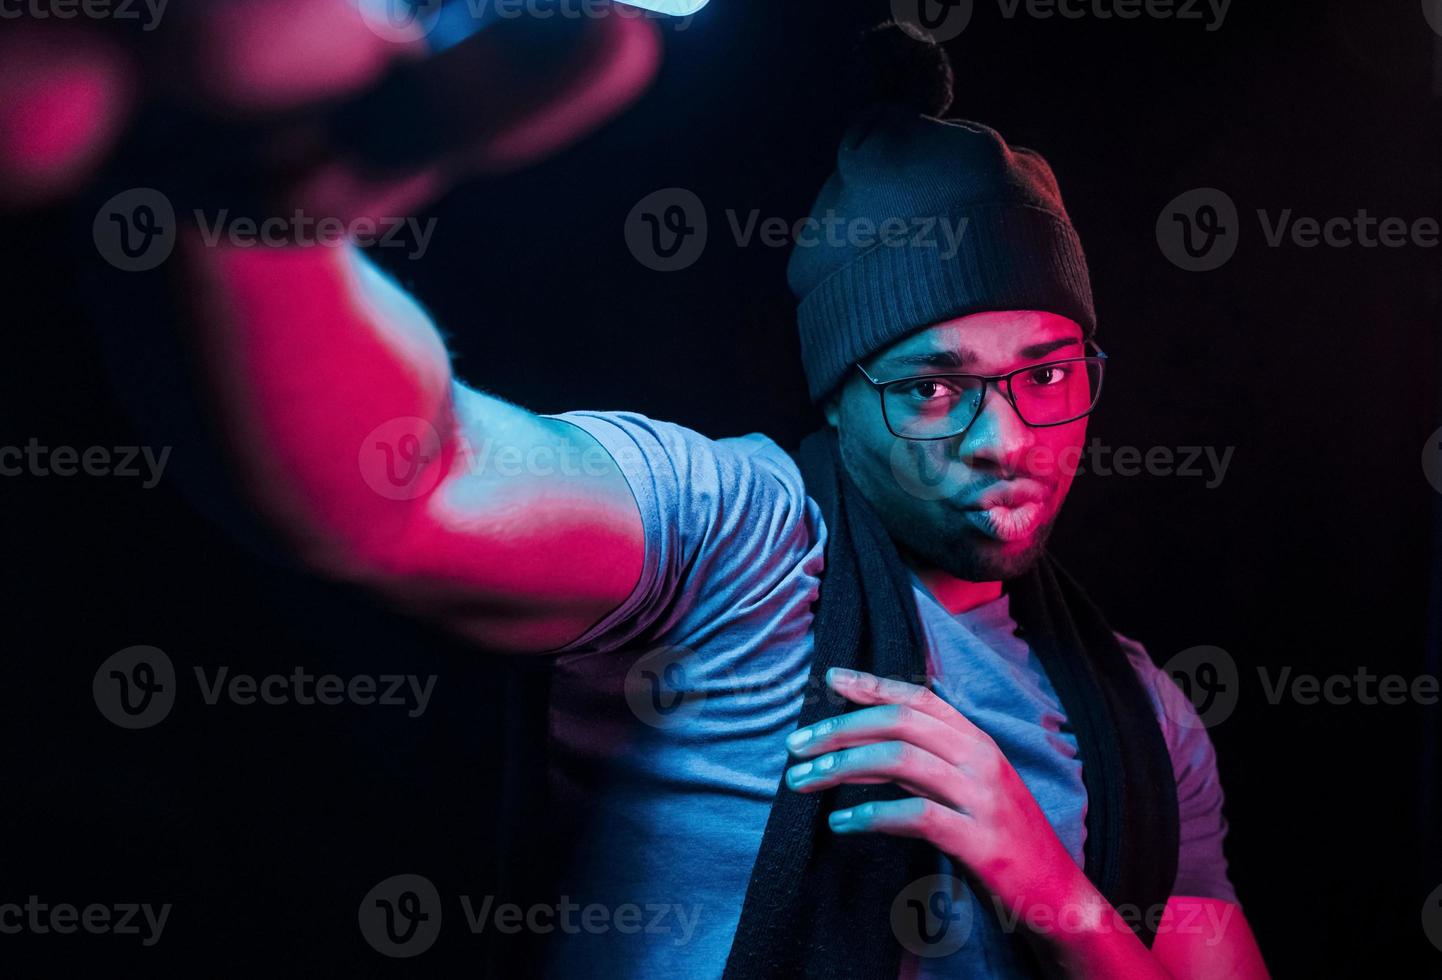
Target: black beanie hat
[(900, 174)]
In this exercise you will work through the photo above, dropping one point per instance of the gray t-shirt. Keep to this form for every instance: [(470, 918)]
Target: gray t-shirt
[(668, 719)]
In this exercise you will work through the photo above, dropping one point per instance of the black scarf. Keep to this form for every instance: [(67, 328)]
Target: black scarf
[(818, 903)]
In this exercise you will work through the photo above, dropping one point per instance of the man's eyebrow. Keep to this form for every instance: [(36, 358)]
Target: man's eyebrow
[(933, 358), (950, 358), (1042, 350)]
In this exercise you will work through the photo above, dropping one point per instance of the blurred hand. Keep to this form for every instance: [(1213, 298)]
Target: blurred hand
[(513, 94), (66, 93)]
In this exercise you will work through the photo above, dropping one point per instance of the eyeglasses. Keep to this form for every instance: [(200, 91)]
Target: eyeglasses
[(939, 406)]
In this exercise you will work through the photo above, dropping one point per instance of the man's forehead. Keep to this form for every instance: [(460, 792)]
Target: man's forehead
[(1008, 333)]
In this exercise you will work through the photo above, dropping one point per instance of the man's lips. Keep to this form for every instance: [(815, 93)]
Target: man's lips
[(1005, 523), (1012, 495), (1007, 513)]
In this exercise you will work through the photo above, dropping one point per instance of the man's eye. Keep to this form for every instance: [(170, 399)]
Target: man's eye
[(929, 390), (1045, 377)]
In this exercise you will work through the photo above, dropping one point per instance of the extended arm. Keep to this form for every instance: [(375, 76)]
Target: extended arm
[(353, 436)]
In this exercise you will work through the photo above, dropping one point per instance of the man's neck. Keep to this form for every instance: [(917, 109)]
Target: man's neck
[(956, 595)]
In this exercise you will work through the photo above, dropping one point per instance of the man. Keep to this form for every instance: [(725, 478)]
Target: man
[(732, 751)]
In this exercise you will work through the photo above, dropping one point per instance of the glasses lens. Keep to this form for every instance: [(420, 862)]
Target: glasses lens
[(932, 408), (1057, 392)]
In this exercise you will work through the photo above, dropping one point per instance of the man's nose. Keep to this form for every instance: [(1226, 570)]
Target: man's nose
[(997, 439)]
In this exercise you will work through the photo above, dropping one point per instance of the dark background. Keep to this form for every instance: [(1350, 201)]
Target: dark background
[(264, 826)]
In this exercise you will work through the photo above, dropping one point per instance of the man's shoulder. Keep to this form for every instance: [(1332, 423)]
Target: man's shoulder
[(1152, 677), (628, 434), (729, 528), (1174, 709)]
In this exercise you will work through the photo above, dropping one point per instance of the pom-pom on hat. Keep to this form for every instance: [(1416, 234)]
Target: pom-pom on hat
[(926, 220)]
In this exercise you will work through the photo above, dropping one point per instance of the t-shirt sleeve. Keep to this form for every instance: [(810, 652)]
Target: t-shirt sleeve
[(1201, 862), (723, 519)]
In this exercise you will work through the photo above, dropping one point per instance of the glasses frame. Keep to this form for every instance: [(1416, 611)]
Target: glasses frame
[(1003, 387)]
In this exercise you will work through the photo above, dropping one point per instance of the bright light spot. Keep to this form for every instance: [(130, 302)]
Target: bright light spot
[(676, 8)]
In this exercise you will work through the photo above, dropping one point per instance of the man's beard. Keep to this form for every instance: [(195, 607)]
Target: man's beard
[(964, 552)]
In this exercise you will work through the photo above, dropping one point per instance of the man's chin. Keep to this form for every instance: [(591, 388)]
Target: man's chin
[(978, 557)]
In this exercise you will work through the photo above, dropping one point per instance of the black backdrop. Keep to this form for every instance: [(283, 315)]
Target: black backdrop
[(264, 826)]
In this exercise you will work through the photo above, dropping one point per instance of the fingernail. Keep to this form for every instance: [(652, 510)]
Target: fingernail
[(797, 773), (798, 738), (840, 818), (841, 674)]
